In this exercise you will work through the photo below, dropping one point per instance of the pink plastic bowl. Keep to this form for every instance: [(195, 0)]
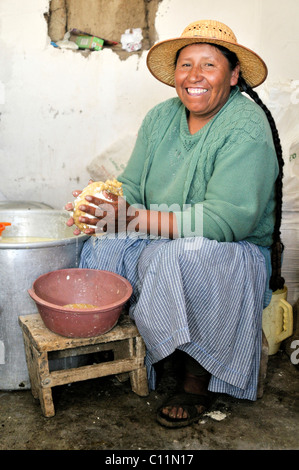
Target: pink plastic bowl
[(107, 290)]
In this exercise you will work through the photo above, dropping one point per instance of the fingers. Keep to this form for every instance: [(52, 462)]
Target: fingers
[(89, 231), (97, 215), (99, 206), (69, 206), (88, 209), (70, 222), (88, 220), (78, 191), (99, 202), (112, 197)]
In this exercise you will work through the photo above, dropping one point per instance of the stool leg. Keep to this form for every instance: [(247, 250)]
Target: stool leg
[(138, 380), (138, 377), (46, 402), (31, 364), (45, 392), (38, 369)]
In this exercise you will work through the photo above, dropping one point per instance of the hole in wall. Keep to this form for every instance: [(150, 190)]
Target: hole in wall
[(104, 19)]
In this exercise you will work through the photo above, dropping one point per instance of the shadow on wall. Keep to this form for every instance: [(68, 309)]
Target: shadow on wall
[(106, 20)]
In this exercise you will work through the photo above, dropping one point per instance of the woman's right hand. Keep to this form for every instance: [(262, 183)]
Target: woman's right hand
[(70, 207)]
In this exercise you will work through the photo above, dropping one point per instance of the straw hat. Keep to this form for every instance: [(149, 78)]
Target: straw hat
[(161, 57)]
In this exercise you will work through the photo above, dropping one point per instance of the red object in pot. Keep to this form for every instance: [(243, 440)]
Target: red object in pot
[(104, 289)]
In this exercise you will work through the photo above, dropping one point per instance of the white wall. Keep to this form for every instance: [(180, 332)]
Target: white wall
[(60, 110)]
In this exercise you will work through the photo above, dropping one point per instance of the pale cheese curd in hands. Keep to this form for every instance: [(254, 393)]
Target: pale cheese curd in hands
[(94, 189)]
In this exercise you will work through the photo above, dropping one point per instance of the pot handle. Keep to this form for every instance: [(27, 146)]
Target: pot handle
[(287, 317)]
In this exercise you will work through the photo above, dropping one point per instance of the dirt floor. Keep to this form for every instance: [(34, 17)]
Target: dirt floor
[(104, 414)]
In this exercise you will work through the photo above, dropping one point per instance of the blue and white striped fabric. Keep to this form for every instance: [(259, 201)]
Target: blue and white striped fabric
[(194, 294)]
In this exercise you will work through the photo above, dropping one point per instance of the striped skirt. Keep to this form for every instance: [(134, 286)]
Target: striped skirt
[(197, 295)]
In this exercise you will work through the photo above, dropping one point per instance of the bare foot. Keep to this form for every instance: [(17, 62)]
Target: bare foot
[(192, 384)]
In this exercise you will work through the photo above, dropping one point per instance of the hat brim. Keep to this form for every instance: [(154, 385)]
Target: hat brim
[(161, 59)]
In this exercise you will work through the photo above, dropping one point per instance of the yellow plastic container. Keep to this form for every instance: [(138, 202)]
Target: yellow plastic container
[(277, 320)]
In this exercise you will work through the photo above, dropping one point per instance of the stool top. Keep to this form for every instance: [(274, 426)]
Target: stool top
[(45, 340)]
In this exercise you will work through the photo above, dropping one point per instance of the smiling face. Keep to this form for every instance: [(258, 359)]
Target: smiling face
[(203, 79)]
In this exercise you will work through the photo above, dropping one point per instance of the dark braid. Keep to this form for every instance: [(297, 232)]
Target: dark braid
[(276, 281)]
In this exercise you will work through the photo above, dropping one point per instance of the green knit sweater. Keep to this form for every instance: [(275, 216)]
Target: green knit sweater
[(219, 182)]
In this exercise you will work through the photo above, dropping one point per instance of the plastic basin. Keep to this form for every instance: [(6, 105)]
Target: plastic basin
[(105, 290)]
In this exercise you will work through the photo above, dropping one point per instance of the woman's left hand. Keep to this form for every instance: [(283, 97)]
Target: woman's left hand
[(110, 216)]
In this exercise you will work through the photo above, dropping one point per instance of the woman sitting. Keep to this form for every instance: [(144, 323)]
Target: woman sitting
[(199, 220)]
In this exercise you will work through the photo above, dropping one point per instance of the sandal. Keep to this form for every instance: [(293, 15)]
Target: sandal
[(189, 402)]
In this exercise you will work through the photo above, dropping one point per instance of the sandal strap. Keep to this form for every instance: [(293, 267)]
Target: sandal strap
[(189, 402), (185, 400)]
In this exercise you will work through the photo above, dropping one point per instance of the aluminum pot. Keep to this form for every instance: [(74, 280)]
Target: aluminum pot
[(20, 265), (29, 205)]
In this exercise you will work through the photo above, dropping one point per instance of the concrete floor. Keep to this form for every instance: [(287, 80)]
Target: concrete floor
[(104, 414)]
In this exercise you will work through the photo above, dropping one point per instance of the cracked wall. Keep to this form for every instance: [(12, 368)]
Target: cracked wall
[(107, 20)]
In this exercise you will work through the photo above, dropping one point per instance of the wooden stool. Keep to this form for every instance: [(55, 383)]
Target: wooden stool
[(124, 340)]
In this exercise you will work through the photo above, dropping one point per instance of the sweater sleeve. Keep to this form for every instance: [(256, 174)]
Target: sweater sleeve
[(238, 193), (151, 131)]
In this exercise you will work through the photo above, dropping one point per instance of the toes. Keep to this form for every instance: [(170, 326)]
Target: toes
[(175, 412)]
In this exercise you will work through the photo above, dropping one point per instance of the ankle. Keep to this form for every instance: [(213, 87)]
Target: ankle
[(197, 384)]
